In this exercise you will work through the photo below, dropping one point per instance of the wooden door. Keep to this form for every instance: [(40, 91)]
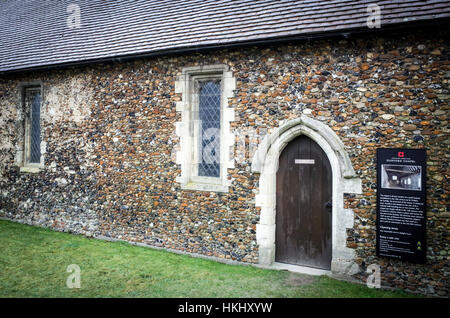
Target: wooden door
[(303, 206)]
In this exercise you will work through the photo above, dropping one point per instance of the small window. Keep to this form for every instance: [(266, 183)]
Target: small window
[(32, 109), (206, 140), (209, 126)]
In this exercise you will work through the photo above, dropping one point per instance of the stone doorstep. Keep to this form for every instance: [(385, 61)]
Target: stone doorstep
[(300, 269)]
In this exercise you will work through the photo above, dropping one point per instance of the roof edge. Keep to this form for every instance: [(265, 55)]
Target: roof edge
[(345, 33)]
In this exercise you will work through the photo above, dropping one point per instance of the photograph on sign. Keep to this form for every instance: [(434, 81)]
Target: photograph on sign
[(401, 177)]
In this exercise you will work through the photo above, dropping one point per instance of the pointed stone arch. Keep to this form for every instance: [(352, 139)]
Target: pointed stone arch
[(265, 162)]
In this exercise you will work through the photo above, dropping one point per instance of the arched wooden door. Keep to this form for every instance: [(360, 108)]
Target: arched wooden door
[(304, 205)]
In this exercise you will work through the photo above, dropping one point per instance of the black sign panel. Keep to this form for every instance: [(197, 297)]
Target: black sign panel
[(401, 204)]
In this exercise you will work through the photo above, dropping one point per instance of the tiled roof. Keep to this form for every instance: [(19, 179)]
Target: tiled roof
[(34, 33)]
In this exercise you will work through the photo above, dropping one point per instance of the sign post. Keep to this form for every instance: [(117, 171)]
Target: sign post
[(401, 204)]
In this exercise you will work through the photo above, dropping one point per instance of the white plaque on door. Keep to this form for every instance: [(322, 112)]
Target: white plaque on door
[(304, 161)]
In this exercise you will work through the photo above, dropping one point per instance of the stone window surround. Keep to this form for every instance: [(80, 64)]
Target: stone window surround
[(265, 162), (184, 85), (22, 140)]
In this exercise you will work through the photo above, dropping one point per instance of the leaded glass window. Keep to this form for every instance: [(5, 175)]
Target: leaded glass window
[(205, 129), (33, 123), (209, 128)]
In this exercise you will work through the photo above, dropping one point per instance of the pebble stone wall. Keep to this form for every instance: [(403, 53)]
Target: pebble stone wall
[(110, 144)]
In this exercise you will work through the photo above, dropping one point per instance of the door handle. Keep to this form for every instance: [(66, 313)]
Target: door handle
[(328, 205)]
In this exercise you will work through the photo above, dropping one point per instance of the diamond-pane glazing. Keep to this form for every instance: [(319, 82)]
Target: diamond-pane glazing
[(209, 116), (35, 127)]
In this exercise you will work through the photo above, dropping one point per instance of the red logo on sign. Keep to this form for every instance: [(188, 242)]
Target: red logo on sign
[(401, 154)]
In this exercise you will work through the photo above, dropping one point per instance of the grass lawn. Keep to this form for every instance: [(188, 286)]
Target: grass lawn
[(34, 261)]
